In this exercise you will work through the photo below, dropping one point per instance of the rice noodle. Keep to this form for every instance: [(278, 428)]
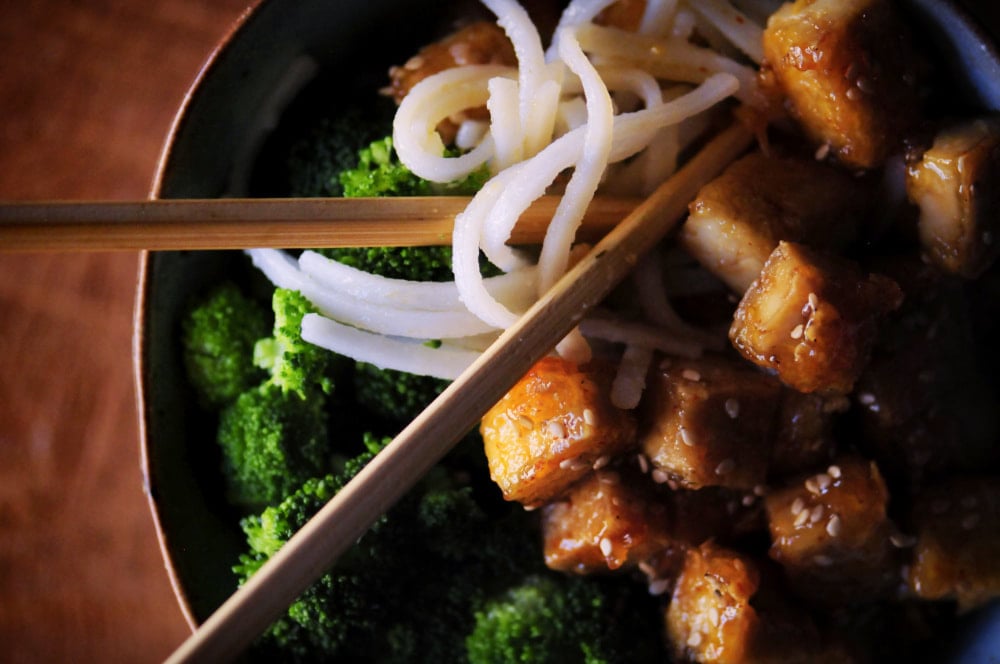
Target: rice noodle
[(630, 381), (742, 32), (445, 361), (640, 334)]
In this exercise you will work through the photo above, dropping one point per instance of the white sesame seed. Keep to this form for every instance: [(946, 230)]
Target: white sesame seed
[(713, 615), (732, 408), (866, 398), (834, 472), (725, 467), (659, 476), (801, 519), (555, 429), (797, 506), (797, 331), (816, 514), (691, 374), (902, 541), (414, 63), (812, 486), (525, 422), (687, 438), (566, 464), (823, 481), (607, 548), (822, 151), (748, 500), (813, 301), (608, 477), (834, 526), (659, 586), (589, 417), (601, 462), (643, 463), (647, 569), (694, 640)]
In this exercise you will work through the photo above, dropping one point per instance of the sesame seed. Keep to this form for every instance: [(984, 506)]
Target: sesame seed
[(607, 548), (797, 331), (691, 374), (823, 561), (647, 569), (902, 541), (732, 408), (555, 429), (813, 301), (608, 477), (694, 640), (414, 63), (567, 464), (822, 151), (801, 519), (588, 416), (812, 486), (660, 477), (816, 514), (852, 94), (834, 472), (726, 466), (687, 438), (525, 422), (759, 490), (713, 615), (797, 506), (864, 85), (823, 481), (748, 500), (970, 521), (659, 586), (601, 462), (643, 463), (834, 526)]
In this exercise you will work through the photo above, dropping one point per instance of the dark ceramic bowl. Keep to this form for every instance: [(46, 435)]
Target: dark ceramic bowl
[(219, 147)]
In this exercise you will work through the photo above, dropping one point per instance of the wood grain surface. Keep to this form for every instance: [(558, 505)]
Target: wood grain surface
[(88, 91)]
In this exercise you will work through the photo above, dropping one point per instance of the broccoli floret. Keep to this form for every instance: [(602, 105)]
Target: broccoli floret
[(380, 173), (218, 335), (272, 440), (407, 590), (394, 395), (316, 161), (295, 365), (414, 263), (562, 619)]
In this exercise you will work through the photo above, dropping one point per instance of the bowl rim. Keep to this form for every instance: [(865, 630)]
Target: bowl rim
[(139, 317)]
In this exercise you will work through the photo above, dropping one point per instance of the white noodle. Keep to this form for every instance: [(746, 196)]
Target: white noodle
[(505, 123), (445, 362), (658, 17), (640, 334), (742, 32), (630, 381)]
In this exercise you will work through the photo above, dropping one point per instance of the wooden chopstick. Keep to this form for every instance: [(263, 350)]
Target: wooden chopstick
[(308, 554), (273, 222)]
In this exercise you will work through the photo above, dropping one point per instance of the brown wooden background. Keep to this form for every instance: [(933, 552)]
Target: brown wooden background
[(88, 89)]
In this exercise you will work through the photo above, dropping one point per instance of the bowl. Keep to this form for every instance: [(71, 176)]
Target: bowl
[(280, 52)]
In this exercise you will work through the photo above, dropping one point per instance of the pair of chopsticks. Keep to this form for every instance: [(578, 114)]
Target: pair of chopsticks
[(312, 551), (242, 223)]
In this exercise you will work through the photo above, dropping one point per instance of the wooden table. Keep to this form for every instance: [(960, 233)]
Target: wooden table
[(88, 90)]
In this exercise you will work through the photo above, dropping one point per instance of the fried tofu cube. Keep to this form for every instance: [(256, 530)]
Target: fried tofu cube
[(956, 185), (551, 427), (738, 218), (603, 523), (957, 552), (831, 533), (812, 318), (725, 609), (848, 71), (803, 436), (708, 422)]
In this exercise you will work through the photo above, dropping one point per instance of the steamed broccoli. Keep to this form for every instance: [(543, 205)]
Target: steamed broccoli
[(394, 395), (295, 365), (561, 619), (271, 440), (218, 335), (406, 592)]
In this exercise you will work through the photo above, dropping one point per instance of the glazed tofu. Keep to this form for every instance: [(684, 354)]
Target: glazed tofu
[(956, 185), (848, 71), (603, 523), (803, 435), (957, 552), (738, 219), (831, 533), (725, 609), (551, 427), (812, 318), (708, 422)]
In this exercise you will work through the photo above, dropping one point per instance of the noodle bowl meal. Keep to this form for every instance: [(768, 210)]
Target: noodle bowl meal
[(775, 441)]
